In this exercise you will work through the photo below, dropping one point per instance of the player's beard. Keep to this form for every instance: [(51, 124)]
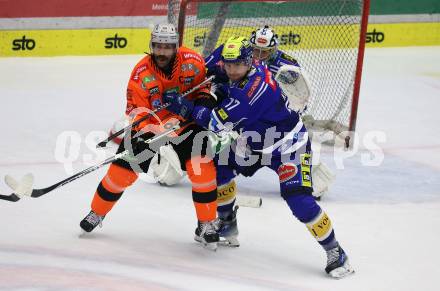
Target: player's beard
[(162, 61)]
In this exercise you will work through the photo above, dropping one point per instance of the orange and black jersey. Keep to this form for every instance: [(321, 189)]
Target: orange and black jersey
[(148, 83)]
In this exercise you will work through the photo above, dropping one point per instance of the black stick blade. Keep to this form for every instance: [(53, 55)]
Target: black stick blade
[(102, 144), (13, 197)]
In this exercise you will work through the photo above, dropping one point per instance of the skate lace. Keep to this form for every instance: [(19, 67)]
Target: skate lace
[(332, 255), (94, 219), (208, 227), (217, 223)]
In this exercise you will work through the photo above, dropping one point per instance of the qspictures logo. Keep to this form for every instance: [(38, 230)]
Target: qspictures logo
[(375, 36), (23, 44), (115, 42)]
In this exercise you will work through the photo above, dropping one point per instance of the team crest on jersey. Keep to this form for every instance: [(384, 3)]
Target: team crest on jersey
[(287, 171)]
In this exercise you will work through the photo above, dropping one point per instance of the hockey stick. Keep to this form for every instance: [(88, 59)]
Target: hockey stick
[(248, 201), (26, 190), (24, 187), (168, 131), (159, 108), (136, 123), (245, 201)]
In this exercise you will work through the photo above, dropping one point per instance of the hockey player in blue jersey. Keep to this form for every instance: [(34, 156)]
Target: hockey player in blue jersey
[(264, 42), (265, 49), (285, 68), (254, 120), (295, 85)]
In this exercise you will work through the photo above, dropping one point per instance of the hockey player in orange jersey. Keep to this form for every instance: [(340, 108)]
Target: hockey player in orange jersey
[(158, 78)]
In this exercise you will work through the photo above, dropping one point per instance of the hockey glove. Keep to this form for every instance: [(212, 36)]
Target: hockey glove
[(178, 104), (222, 140), (203, 106), (295, 86), (136, 145)]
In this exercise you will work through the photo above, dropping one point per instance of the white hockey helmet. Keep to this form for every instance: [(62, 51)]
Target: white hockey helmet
[(166, 166), (264, 40), (164, 33)]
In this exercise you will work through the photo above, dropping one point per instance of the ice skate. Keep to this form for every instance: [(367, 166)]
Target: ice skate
[(207, 235), (91, 221), (228, 230), (337, 263)]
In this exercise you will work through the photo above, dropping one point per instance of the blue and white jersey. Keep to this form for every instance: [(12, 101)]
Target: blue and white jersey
[(255, 107), (212, 60), (214, 66), (279, 59)]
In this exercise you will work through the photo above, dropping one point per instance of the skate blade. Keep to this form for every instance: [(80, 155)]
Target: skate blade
[(210, 246), (231, 242), (342, 271), (198, 239)]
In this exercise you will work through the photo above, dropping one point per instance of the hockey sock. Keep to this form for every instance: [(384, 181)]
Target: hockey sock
[(226, 198), (111, 188), (305, 208), (202, 175), (321, 228)]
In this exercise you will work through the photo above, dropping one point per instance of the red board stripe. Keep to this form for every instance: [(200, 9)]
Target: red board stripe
[(69, 8)]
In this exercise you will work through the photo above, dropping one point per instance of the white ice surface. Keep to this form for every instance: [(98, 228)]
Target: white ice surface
[(386, 217)]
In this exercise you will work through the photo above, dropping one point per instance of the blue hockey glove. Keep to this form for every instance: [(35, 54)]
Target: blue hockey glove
[(178, 104)]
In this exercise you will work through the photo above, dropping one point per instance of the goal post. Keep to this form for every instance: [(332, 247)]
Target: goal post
[(326, 37)]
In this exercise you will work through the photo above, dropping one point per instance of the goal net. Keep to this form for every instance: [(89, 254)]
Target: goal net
[(326, 37)]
